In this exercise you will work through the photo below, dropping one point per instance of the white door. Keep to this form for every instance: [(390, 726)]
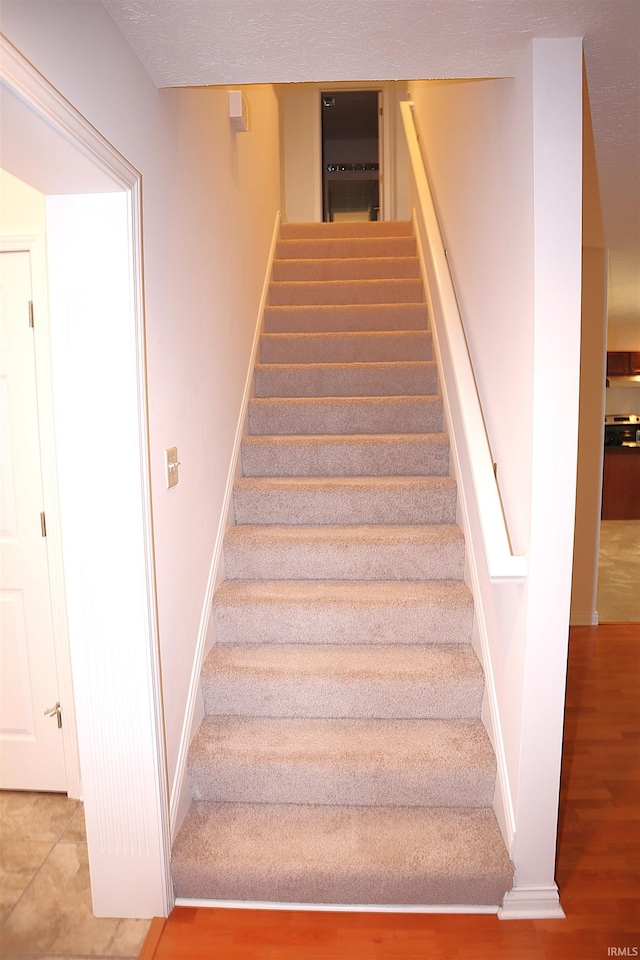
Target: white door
[(31, 746)]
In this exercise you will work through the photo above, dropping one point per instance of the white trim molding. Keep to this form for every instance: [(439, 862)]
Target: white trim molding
[(180, 795), (532, 903), (473, 908)]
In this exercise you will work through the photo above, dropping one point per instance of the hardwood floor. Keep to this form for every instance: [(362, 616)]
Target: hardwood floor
[(597, 868)]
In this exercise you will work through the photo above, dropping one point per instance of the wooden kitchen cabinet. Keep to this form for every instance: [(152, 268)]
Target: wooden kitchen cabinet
[(623, 363), (621, 483), (618, 363)]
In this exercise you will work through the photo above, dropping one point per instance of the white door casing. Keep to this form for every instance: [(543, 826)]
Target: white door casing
[(105, 516), (31, 744)]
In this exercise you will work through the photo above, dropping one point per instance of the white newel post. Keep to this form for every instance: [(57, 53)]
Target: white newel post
[(98, 379)]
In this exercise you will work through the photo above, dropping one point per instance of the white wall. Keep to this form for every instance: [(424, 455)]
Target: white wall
[(504, 157), (210, 198), (477, 140)]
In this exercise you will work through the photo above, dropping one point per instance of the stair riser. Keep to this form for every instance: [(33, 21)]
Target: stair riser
[(344, 506), (366, 268), (319, 319), (323, 231), (330, 697), (346, 247), (340, 624), (292, 456), (345, 347), (218, 780), (390, 415), (346, 380), (342, 561), (345, 291)]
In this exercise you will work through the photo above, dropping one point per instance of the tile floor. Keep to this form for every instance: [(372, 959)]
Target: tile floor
[(45, 898), (618, 598)]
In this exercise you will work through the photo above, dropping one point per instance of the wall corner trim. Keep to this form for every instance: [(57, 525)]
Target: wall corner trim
[(582, 619), (179, 780), (532, 903)]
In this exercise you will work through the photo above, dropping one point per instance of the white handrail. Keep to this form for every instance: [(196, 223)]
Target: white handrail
[(502, 563)]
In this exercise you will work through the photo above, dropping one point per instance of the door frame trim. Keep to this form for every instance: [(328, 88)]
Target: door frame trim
[(385, 144), (35, 245), (120, 793)]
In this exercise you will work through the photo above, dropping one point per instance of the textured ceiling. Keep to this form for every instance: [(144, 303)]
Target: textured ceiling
[(202, 42)]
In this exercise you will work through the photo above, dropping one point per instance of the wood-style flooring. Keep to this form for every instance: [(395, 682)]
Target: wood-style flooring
[(597, 868)]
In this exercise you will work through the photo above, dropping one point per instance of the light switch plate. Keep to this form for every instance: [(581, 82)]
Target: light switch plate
[(171, 466)]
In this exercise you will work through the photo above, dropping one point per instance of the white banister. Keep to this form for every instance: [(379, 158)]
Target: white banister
[(467, 425)]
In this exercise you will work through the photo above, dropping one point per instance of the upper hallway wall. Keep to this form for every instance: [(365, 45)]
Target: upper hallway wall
[(210, 198)]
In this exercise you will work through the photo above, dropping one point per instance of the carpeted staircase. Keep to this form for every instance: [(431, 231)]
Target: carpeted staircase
[(342, 758)]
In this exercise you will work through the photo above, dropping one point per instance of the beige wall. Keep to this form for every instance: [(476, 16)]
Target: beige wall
[(22, 209), (624, 336), (590, 437), (210, 198), (301, 154)]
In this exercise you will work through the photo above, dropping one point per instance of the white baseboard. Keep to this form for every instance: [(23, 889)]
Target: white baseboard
[(532, 903), (179, 800), (584, 619), (339, 907)]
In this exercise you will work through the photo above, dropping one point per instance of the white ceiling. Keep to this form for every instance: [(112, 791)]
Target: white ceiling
[(203, 42)]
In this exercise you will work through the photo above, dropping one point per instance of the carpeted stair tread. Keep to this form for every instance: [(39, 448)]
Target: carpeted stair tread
[(402, 378), (439, 763), (313, 499), (292, 853), (379, 228), (409, 681), (345, 415), (368, 347), (346, 268), (314, 248), (344, 552), (293, 292), (310, 318), (368, 454), (343, 611)]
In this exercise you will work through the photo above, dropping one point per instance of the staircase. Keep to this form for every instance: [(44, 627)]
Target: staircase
[(342, 758)]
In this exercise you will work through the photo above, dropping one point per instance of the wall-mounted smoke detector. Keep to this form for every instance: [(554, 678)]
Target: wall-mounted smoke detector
[(238, 111)]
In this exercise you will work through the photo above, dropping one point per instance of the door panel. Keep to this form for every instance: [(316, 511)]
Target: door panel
[(31, 746)]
